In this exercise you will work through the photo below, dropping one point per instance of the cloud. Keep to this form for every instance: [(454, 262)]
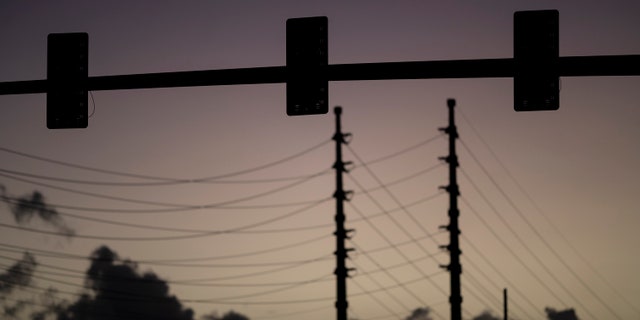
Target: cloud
[(119, 291), (18, 275), (26, 207)]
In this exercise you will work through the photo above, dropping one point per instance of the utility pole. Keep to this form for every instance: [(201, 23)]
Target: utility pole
[(342, 253), (454, 267), (505, 301)]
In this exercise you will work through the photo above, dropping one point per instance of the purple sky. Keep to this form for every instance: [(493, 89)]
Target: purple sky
[(578, 164)]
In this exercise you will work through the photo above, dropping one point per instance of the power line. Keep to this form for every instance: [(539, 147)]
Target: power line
[(403, 151), (404, 256), (397, 285), (167, 238), (549, 221), (403, 208), (157, 262), (545, 242), (482, 291), (173, 181), (378, 284), (501, 275), (144, 184), (384, 187), (179, 207), (55, 254), (167, 180), (13, 200), (504, 244), (387, 269), (81, 274), (185, 207)]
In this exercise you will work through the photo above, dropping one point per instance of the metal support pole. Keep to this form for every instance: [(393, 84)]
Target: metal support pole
[(454, 267), (583, 66), (342, 253)]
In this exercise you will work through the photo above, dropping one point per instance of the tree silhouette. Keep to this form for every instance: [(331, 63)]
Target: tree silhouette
[(486, 315), (420, 314), (119, 291), (231, 315), (568, 314)]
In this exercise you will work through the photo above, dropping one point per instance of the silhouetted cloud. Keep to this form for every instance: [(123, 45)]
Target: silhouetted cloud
[(34, 205), (26, 207), (119, 291), (18, 275)]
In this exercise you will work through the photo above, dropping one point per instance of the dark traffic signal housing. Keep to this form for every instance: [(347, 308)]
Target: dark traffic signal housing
[(67, 74), (535, 54), (307, 61)]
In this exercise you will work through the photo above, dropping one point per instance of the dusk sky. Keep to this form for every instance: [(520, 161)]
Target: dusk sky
[(549, 200)]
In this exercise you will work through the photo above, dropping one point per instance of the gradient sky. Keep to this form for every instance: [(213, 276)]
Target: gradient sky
[(578, 164)]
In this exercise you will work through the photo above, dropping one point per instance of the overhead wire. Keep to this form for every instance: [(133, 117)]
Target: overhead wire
[(144, 184), (270, 291), (18, 200), (12, 200), (511, 251), (15, 200), (182, 207), (81, 274), (174, 206), (167, 238), (378, 284), (550, 222), (62, 255), (482, 294), (398, 182), (399, 203), (385, 187), (400, 206), (120, 295), (397, 285), (386, 270), (403, 255), (167, 180), (544, 241), (501, 275)]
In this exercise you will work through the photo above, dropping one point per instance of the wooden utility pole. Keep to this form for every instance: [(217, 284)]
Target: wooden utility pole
[(454, 267), (342, 253)]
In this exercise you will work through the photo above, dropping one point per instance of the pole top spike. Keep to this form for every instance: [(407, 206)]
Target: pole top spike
[(451, 102), (337, 110)]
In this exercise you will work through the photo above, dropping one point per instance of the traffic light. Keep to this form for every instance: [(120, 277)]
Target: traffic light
[(535, 54), (307, 60), (67, 73)]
